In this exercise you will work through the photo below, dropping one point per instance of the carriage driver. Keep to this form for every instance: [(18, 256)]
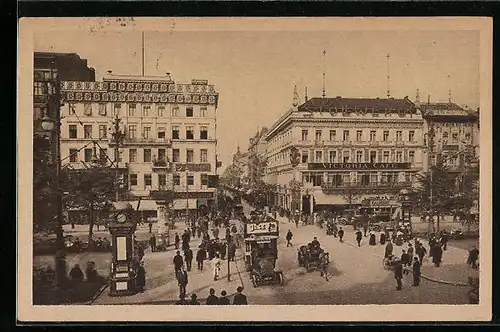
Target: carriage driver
[(315, 243)]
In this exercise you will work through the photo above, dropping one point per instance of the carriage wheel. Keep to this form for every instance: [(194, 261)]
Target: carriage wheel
[(280, 278)]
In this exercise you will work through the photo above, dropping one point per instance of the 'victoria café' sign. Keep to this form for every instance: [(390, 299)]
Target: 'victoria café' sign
[(357, 166)]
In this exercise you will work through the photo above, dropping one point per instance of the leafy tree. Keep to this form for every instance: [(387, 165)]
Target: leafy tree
[(257, 167), (91, 189), (295, 187), (232, 175)]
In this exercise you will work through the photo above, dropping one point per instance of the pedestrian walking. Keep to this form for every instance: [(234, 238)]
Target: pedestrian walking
[(194, 300), (288, 237), (212, 299), (388, 249), (444, 240), (416, 272), (216, 266), (188, 258), (405, 261), (365, 228), (410, 252), (178, 261), (473, 257), (140, 278), (239, 298), (341, 235), (373, 240), (398, 273), (437, 255), (150, 225), (223, 300), (177, 240), (420, 251), (382, 238), (359, 236), (152, 243), (182, 280)]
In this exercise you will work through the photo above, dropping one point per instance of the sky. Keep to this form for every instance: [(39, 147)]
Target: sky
[(255, 71)]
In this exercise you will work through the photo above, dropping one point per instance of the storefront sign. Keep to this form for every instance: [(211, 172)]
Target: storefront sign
[(192, 167), (161, 195), (357, 166), (380, 202), (261, 228)]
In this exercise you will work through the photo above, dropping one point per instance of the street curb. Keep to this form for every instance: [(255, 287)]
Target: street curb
[(103, 288)]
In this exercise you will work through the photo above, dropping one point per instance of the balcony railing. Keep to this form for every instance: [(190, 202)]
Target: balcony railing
[(371, 185), (144, 141), (161, 163)]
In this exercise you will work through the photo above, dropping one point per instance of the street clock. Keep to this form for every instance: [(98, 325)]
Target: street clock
[(121, 218)]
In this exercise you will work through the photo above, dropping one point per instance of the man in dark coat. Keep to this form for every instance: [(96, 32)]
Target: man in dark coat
[(222, 250), (177, 241), (182, 280), (373, 240), (365, 228), (223, 300), (201, 255), (76, 274), (359, 236), (152, 243), (240, 299), (194, 300), (416, 272), (437, 255), (398, 273), (288, 237), (140, 278), (382, 238), (188, 257), (444, 240), (212, 299), (150, 227), (388, 249), (341, 235), (178, 261), (420, 251), (473, 257)]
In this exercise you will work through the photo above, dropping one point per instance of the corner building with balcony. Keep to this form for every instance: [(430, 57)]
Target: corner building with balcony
[(349, 149), (169, 144)]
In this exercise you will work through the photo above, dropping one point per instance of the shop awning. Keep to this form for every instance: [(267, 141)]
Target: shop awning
[(180, 204), (145, 205), (322, 199)]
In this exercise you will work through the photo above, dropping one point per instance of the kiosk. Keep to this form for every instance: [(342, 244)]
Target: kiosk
[(122, 225)]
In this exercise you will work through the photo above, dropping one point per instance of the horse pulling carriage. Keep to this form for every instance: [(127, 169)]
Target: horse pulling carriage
[(313, 258)]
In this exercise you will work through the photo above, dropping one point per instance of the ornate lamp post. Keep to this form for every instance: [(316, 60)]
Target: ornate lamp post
[(53, 126)]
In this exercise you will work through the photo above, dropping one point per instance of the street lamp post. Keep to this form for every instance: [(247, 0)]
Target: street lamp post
[(118, 137), (52, 125), (429, 137)]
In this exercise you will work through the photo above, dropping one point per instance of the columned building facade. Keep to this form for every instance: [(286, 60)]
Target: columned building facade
[(169, 145), (344, 150)]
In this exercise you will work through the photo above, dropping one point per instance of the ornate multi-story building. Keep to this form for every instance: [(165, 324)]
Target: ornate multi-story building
[(344, 150), (169, 145), (256, 156)]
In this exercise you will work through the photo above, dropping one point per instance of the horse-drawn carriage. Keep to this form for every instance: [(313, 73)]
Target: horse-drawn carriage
[(313, 258)]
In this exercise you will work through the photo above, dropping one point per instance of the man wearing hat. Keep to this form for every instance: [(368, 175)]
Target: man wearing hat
[(240, 299)]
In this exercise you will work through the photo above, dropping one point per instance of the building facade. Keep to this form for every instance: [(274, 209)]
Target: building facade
[(344, 150), (256, 156), (169, 143)]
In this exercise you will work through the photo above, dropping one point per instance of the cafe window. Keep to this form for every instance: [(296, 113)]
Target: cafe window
[(359, 135), (73, 155), (373, 134), (346, 179), (162, 179), (385, 158), (87, 131), (304, 134), (373, 156), (189, 112), (411, 156), (399, 136), (103, 131), (346, 156), (373, 178), (133, 179), (305, 156), (176, 155), (132, 155), (332, 156), (336, 180), (176, 179), (175, 132), (203, 132), (345, 136), (146, 110), (399, 156), (364, 179), (359, 156), (131, 109), (333, 135), (189, 132), (189, 156), (411, 135), (203, 156), (190, 180), (385, 136), (161, 132), (147, 180), (317, 136), (73, 131), (318, 156), (160, 110), (88, 155), (204, 179), (87, 109), (132, 129), (147, 155)]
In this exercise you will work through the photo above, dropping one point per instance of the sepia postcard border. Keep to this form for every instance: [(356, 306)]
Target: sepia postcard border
[(280, 313)]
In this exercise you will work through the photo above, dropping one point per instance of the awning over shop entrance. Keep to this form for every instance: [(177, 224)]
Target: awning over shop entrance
[(322, 199), (147, 205), (180, 204)]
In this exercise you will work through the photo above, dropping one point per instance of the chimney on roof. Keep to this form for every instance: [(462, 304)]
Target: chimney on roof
[(428, 99), (168, 76), (306, 94), (295, 97), (449, 96)]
